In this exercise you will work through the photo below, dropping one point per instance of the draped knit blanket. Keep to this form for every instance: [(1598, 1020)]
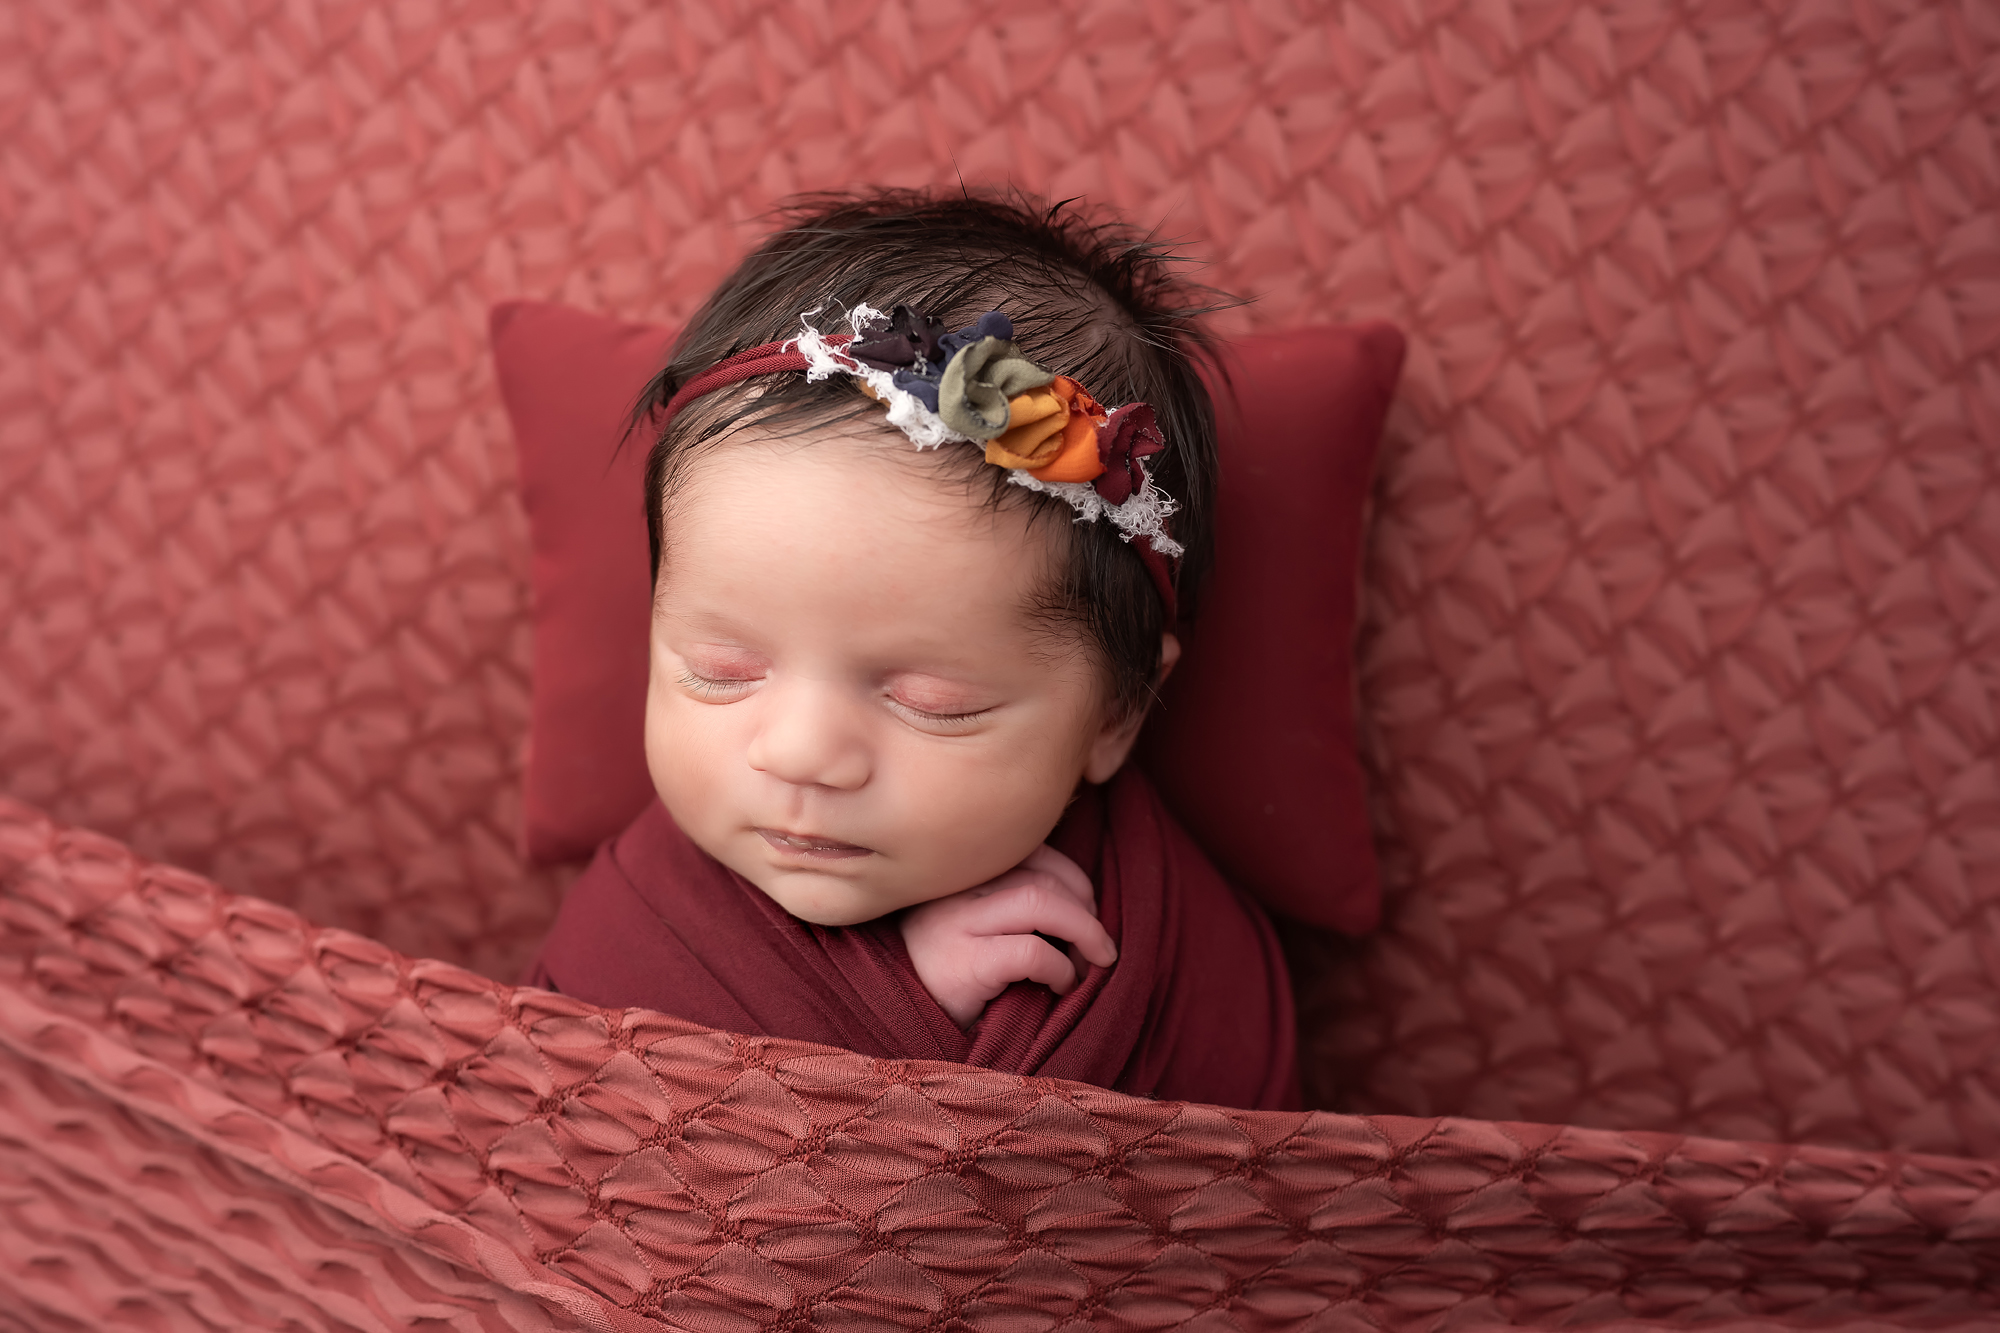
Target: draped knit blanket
[(1197, 1009), (213, 1115)]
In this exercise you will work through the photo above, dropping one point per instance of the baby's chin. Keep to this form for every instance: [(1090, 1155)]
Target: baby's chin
[(828, 900), (846, 892)]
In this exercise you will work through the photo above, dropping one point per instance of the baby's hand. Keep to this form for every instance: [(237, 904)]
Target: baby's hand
[(971, 946)]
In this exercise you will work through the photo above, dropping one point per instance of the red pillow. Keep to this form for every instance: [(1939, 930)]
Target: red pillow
[(1254, 743), (569, 380)]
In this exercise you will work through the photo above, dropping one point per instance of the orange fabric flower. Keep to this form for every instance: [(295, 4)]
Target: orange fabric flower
[(1034, 431), (1051, 433)]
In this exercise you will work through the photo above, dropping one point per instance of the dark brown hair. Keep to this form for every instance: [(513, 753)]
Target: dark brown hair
[(1090, 299)]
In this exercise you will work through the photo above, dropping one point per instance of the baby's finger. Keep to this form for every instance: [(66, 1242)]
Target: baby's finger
[(1037, 906), (1066, 872), (1094, 944), (1000, 960)]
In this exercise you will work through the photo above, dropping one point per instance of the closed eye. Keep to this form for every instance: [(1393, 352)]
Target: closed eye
[(709, 687), (943, 720)]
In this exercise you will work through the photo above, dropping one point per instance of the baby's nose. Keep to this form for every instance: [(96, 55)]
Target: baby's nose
[(809, 736)]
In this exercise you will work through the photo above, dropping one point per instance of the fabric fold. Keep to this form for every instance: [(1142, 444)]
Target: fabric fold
[(1197, 1008)]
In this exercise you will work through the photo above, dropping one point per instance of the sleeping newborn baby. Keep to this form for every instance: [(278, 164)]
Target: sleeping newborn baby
[(913, 592)]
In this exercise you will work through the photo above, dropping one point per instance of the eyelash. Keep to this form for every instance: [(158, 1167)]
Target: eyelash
[(706, 685), (945, 719), (710, 685)]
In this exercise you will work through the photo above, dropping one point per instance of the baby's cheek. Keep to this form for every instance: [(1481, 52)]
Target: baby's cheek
[(685, 753), (979, 818)]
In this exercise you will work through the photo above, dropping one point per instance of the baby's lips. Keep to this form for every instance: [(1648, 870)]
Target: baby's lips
[(811, 845)]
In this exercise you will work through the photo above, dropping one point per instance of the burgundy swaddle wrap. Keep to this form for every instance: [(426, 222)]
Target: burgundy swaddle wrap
[(1197, 1007)]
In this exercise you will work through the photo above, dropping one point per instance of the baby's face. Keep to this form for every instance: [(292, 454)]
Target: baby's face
[(849, 704)]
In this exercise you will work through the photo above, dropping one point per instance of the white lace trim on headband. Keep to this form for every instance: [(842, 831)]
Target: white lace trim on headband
[(1144, 513), (907, 412)]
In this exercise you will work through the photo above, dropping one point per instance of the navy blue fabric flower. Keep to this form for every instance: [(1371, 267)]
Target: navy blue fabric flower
[(923, 390), (992, 324), (917, 351)]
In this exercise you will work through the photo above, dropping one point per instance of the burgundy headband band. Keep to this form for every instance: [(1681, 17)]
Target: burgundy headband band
[(778, 357)]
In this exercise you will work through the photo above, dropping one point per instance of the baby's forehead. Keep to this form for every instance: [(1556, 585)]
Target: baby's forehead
[(838, 558), (846, 500), (862, 472)]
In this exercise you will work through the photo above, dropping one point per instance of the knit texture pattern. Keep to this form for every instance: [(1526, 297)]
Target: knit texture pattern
[(1681, 663), (215, 1115)]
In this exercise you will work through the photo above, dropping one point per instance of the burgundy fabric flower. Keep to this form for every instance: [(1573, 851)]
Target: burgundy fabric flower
[(915, 349), (1129, 435), (910, 340)]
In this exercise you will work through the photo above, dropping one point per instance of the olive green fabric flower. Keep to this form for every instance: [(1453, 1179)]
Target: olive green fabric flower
[(972, 396)]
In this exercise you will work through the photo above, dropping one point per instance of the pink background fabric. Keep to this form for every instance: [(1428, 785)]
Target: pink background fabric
[(1682, 643)]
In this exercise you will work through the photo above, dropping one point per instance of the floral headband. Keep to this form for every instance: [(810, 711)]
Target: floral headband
[(975, 387)]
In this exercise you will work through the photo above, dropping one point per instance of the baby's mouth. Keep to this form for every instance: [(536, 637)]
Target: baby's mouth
[(805, 844)]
